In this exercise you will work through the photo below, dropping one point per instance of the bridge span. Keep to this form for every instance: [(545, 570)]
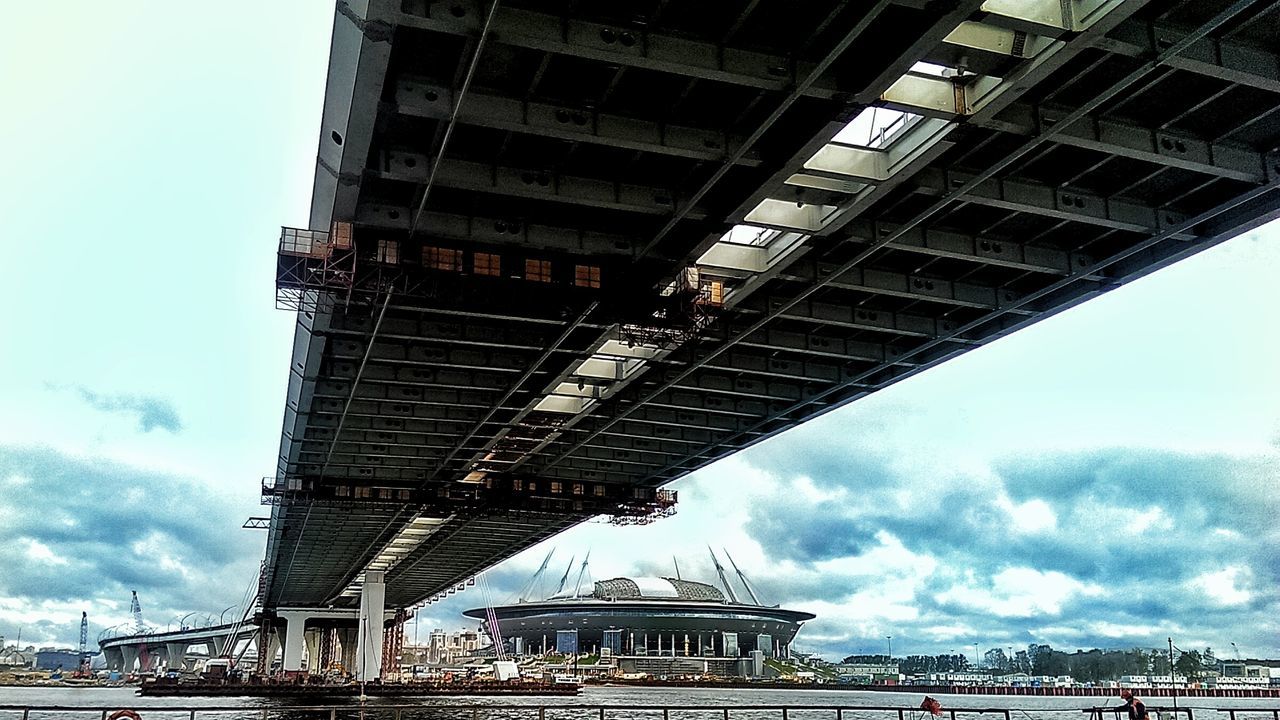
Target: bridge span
[(148, 650), (562, 254)]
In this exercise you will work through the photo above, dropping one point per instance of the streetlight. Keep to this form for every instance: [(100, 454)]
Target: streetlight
[(223, 613), (183, 622)]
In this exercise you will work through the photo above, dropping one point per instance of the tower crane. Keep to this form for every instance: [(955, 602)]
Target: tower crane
[(83, 670), (136, 608)]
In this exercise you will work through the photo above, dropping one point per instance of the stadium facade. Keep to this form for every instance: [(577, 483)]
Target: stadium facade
[(645, 618)]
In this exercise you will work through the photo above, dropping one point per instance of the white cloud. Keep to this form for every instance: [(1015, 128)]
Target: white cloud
[(1020, 592), (40, 552), (1224, 586), (948, 633), (1032, 516)]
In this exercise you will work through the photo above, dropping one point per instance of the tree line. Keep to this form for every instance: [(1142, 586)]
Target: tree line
[(1038, 659)]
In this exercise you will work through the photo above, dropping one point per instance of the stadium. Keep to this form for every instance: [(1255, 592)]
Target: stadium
[(647, 617)]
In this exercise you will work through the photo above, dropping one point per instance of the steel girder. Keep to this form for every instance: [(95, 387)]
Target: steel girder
[(426, 99), (1116, 137), (497, 231), (1233, 62), (1060, 203)]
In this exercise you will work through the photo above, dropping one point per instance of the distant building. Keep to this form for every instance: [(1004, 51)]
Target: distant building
[(446, 648), (1247, 674), (958, 678), (51, 659), (866, 673)]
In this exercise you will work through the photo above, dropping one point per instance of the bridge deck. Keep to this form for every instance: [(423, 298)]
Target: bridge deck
[(910, 180)]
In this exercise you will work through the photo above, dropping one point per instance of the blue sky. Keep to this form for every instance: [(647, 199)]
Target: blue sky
[(1105, 478)]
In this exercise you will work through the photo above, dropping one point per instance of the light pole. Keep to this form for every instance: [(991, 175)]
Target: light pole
[(183, 622), (890, 639), (223, 613)]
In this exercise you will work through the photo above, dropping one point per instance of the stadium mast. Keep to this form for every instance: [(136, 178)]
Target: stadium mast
[(528, 588), (565, 577), (581, 571), (741, 577), (723, 580)]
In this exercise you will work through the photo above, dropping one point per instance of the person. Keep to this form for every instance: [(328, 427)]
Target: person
[(1137, 711)]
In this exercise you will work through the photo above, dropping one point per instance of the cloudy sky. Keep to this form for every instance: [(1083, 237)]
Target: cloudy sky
[(1106, 478)]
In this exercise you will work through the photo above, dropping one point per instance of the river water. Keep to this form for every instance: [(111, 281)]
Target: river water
[(559, 708)]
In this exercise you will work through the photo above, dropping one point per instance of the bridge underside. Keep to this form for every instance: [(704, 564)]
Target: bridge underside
[(565, 253)]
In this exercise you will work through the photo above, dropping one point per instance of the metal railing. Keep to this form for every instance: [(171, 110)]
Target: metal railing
[(505, 712), (1155, 711), (1250, 713)]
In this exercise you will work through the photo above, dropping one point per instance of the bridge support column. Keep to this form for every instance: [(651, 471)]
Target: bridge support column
[(347, 638), (312, 641), (129, 655), (273, 647), (213, 647), (114, 658), (373, 596), (293, 635), (175, 654)]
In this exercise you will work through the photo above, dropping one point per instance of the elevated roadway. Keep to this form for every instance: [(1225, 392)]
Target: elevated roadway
[(562, 254)]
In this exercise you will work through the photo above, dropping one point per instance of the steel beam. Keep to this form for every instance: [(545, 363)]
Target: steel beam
[(359, 54), (392, 378), (903, 285), (423, 347), (742, 362), (987, 251), (428, 99), (533, 184), (1049, 201), (496, 231), (819, 345), (1225, 60), (740, 387), (1169, 148), (850, 316), (618, 46)]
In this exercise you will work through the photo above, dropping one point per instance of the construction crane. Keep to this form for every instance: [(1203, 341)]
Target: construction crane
[(83, 670), (136, 608)]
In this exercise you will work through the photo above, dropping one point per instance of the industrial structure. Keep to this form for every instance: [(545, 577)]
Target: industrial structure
[(560, 255)]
